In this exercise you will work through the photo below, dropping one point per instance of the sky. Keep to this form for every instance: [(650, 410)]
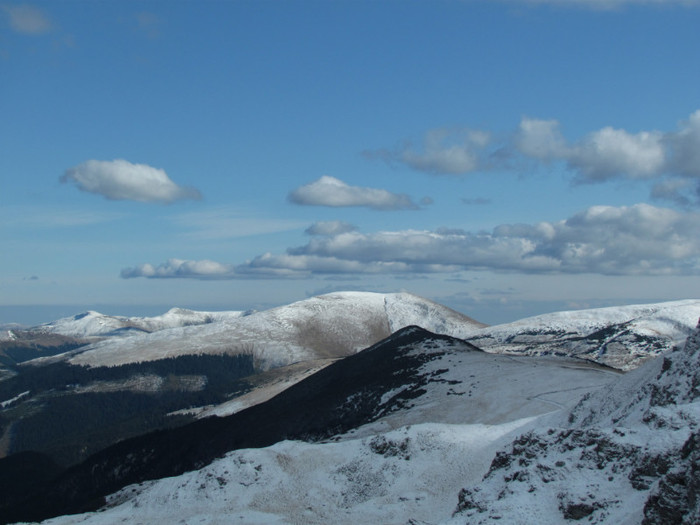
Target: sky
[(504, 158)]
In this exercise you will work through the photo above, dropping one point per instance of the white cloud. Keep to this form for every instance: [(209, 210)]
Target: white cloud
[(122, 180), (540, 139), (640, 239), (179, 268), (611, 153), (329, 191), (683, 192), (684, 146), (606, 240), (28, 20), (601, 155), (444, 152), (330, 228)]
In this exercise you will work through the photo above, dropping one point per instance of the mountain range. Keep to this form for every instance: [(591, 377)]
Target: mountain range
[(420, 426)]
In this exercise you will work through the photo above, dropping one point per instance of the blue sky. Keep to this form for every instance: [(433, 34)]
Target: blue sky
[(506, 158)]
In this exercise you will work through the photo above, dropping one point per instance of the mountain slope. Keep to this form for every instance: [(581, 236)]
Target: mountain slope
[(129, 381), (622, 337), (365, 402), (328, 326), (627, 454)]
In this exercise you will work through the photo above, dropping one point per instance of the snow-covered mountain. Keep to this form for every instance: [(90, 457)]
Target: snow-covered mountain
[(622, 337), (93, 324), (327, 326), (150, 380), (394, 429), (420, 428), (627, 454)]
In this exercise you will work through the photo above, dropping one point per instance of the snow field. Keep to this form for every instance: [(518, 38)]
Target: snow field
[(410, 473)]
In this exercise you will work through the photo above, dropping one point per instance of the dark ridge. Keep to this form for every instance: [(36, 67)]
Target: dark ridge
[(19, 473), (55, 419), (336, 399)]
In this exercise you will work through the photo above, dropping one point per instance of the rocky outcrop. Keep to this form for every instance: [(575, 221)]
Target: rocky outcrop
[(630, 453)]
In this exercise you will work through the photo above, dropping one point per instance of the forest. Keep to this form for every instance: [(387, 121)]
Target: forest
[(68, 411)]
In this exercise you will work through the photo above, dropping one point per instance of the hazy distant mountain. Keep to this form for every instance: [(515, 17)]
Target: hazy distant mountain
[(622, 337)]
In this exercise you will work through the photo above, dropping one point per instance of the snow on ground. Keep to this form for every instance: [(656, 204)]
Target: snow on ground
[(267, 386), (625, 454), (622, 337), (8, 402), (408, 465), (411, 473), (92, 324), (328, 326)]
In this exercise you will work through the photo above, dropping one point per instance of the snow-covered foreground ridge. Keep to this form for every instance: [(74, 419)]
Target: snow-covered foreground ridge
[(332, 325), (460, 403), (624, 454), (622, 337), (627, 454)]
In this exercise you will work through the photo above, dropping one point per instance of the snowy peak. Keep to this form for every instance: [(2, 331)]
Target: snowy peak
[(328, 326), (93, 324), (404, 309), (86, 324), (621, 337)]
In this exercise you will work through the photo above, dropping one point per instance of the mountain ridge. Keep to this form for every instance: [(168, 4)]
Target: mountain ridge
[(622, 337), (398, 381), (331, 325)]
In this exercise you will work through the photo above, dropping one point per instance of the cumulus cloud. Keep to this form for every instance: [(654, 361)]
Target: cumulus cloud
[(329, 191), (122, 180), (444, 152), (635, 240), (179, 268), (601, 155), (540, 139), (28, 20), (640, 239), (683, 192), (684, 146), (611, 153), (330, 228)]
